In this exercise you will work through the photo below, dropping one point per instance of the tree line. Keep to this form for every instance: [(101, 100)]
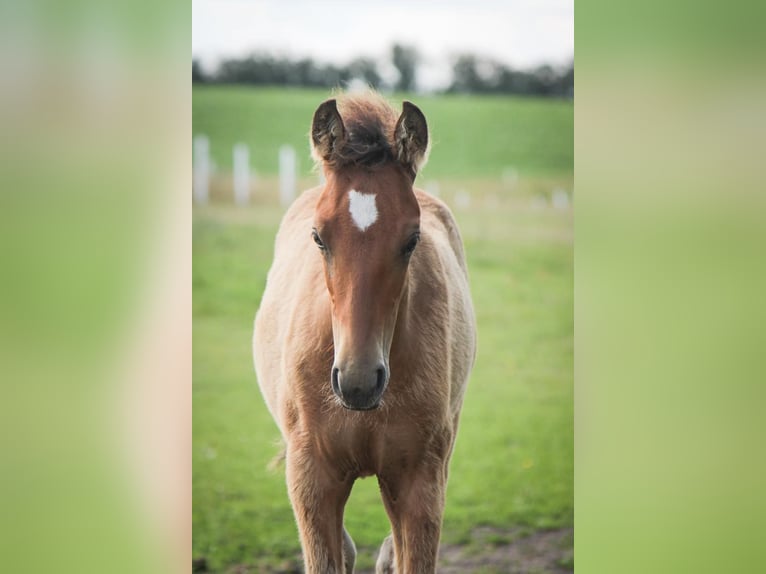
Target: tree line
[(470, 74)]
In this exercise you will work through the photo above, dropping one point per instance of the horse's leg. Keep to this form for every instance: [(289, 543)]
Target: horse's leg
[(349, 551), (414, 501), (318, 496)]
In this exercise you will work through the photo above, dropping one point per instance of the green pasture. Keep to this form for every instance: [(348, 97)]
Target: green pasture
[(513, 463)]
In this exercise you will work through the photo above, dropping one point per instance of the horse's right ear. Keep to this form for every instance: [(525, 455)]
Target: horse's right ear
[(327, 131), (411, 137)]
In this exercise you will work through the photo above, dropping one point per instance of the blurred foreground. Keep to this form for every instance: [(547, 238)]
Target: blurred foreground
[(95, 226)]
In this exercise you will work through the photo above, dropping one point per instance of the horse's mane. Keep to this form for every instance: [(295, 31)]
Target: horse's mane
[(370, 122)]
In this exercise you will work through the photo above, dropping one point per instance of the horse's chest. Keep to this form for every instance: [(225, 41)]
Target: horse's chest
[(366, 450), (356, 448)]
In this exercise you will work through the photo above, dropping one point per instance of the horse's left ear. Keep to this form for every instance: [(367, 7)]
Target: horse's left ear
[(411, 137), (327, 132)]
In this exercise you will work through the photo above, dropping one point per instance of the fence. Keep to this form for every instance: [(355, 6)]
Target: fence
[(244, 178)]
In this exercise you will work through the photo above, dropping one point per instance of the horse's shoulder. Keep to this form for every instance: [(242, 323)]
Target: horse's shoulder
[(438, 213)]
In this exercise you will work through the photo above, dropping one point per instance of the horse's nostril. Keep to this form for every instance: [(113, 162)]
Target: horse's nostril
[(336, 380), (381, 372)]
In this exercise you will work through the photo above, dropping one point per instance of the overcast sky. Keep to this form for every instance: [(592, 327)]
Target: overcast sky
[(521, 33)]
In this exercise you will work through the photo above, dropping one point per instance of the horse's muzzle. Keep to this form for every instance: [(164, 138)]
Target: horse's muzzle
[(360, 390)]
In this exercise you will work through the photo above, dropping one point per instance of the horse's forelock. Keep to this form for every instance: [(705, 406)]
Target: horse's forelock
[(369, 122)]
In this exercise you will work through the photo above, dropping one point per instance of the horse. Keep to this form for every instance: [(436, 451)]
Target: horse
[(365, 336)]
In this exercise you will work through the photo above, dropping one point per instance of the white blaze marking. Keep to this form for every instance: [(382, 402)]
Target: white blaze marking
[(362, 208)]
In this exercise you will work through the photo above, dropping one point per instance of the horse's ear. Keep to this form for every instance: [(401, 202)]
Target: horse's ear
[(327, 131), (411, 137)]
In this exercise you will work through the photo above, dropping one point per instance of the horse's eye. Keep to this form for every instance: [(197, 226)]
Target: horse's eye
[(411, 244), (317, 239)]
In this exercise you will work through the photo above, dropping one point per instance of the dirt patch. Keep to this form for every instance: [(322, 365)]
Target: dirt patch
[(490, 551), (515, 551), (511, 552)]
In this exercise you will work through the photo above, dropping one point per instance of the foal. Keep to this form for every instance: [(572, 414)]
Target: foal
[(366, 336)]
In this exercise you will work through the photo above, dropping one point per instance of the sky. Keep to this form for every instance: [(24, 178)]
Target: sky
[(519, 33)]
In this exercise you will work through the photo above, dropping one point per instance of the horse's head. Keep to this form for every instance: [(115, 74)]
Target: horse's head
[(366, 227)]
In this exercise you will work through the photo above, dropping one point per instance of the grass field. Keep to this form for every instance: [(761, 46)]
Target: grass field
[(513, 463), (471, 137)]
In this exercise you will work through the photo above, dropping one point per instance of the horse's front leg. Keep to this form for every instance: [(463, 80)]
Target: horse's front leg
[(414, 501), (318, 496)]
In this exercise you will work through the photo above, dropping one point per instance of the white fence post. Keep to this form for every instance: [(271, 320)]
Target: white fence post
[(560, 198), (462, 199), (241, 174), (432, 187), (286, 175), (200, 184)]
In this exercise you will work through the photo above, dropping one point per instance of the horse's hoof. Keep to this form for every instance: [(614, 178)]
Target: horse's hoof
[(385, 563)]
